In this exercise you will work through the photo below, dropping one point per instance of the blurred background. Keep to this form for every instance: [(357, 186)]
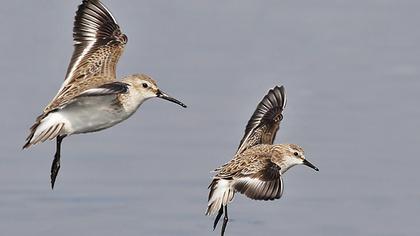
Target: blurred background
[(351, 72)]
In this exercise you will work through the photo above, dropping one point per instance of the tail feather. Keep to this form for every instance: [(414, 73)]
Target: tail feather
[(32, 131), (46, 127), (221, 193)]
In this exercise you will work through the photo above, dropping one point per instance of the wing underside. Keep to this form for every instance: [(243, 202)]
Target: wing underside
[(263, 184)]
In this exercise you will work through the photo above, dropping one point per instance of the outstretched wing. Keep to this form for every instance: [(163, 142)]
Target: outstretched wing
[(264, 123), (263, 182), (98, 45)]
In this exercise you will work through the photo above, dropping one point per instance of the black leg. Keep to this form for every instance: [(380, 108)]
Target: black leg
[(225, 220), (55, 167), (219, 214)]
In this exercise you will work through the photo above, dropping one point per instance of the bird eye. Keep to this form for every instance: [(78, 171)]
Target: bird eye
[(296, 154), (145, 85)]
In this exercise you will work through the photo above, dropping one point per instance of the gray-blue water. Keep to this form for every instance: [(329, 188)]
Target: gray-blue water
[(351, 70)]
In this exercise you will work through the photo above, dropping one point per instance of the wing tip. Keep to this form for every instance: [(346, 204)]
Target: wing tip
[(93, 19), (273, 102), (280, 94)]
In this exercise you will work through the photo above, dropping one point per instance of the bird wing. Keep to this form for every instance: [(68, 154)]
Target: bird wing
[(260, 182), (99, 97), (96, 99), (264, 123), (112, 88), (98, 45)]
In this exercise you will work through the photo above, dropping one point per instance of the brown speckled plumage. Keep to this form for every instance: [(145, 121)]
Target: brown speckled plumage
[(98, 45), (265, 121), (90, 98), (257, 166)]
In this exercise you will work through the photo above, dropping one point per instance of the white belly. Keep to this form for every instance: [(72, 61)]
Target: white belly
[(92, 115)]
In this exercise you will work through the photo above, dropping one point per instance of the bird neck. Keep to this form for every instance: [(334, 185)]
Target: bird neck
[(286, 166), (132, 100), (282, 158)]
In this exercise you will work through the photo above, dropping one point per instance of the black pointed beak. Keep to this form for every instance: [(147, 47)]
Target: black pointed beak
[(165, 96), (307, 163)]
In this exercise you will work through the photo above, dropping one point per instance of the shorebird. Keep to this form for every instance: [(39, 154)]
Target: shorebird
[(91, 99), (256, 169)]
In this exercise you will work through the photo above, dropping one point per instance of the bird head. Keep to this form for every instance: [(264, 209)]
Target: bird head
[(147, 88), (289, 155)]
